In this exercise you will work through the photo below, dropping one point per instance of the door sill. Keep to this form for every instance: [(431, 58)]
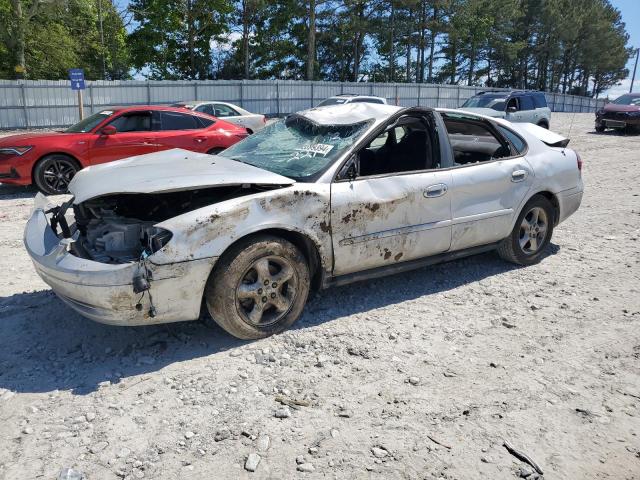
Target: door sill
[(400, 267)]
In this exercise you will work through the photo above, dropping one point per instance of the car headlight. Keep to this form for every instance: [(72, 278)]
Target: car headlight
[(16, 150), (157, 238)]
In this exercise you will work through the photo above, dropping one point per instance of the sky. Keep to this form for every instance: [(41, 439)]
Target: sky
[(630, 10)]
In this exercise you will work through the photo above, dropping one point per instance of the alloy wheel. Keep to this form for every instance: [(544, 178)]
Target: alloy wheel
[(58, 174), (267, 291), (533, 230)]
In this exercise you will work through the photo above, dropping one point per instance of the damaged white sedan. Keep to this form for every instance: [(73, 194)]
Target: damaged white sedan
[(327, 196)]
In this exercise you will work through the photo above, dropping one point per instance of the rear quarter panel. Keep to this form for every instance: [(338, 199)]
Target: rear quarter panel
[(555, 168)]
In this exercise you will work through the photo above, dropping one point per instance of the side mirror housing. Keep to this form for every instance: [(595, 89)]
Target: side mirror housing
[(108, 130), (350, 169), (512, 109)]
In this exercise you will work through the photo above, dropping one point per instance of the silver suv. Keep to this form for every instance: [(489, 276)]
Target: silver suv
[(515, 106), (351, 98)]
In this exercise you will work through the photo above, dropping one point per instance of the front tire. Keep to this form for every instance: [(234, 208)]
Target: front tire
[(544, 125), (53, 173), (531, 234), (258, 288), (600, 128)]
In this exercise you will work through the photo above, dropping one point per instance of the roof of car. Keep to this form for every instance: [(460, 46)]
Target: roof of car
[(155, 108), (348, 113), (509, 92)]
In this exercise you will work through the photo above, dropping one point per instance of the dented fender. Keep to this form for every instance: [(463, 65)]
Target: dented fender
[(303, 208)]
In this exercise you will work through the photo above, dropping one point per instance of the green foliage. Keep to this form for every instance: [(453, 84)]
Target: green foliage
[(55, 36), (577, 46), (173, 38)]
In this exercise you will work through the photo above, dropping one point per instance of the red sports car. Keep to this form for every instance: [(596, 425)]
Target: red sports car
[(51, 159)]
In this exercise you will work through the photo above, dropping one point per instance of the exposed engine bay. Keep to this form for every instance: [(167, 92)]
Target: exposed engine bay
[(121, 228)]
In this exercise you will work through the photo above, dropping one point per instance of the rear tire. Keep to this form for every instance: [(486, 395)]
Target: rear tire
[(531, 234), (258, 288), (53, 173)]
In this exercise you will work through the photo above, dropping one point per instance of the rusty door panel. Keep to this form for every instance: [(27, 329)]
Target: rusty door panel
[(377, 221)]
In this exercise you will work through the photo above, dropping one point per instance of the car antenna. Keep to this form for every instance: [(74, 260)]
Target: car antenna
[(573, 117)]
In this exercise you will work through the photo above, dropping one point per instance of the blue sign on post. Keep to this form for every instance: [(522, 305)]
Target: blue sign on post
[(76, 75)]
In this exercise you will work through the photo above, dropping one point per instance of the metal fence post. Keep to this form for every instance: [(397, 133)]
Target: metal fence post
[(24, 105), (91, 96), (148, 93), (419, 92), (438, 96), (241, 95), (195, 90), (278, 98), (397, 99), (458, 101), (312, 94)]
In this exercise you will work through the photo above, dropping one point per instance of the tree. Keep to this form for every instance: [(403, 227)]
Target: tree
[(173, 37)]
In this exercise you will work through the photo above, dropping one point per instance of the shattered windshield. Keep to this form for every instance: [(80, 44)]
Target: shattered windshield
[(486, 101), (296, 147)]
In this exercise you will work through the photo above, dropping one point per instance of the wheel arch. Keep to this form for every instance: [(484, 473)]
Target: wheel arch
[(553, 199), (48, 154), (318, 268), (544, 123)]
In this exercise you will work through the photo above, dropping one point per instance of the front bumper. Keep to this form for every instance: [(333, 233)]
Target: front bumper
[(617, 120), (104, 292)]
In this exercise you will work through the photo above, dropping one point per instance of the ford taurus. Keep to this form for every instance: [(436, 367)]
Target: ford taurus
[(324, 197)]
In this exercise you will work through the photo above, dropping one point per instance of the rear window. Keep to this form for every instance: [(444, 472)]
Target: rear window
[(332, 101), (515, 140), (540, 100), (178, 121)]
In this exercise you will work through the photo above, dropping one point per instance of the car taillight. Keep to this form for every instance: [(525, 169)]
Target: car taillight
[(579, 160)]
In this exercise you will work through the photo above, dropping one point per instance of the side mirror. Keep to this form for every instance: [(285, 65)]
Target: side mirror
[(108, 130), (350, 169), (512, 109)]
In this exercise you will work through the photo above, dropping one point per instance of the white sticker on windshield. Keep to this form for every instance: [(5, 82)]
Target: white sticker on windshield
[(313, 149), (106, 112)]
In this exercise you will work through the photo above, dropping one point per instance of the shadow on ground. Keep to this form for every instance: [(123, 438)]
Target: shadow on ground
[(11, 192), (47, 346)]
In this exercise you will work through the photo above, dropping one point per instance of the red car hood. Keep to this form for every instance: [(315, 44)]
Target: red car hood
[(614, 107), (28, 138)]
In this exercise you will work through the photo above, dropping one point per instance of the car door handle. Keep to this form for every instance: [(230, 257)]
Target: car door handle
[(436, 190), (518, 175)]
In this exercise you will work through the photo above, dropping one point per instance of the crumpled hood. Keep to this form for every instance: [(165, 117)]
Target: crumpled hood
[(167, 171), (488, 112)]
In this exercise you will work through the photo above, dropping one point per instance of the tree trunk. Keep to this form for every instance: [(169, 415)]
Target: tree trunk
[(432, 45), (311, 41), (17, 39), (245, 37), (392, 59), (423, 33), (191, 40)]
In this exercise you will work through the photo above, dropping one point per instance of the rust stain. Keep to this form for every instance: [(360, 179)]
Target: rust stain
[(325, 227), (120, 301), (398, 257), (387, 254), (372, 207)]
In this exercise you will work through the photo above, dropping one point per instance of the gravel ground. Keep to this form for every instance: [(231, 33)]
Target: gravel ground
[(419, 375)]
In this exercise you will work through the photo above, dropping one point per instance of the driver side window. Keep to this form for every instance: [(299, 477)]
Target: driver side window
[(513, 103), (407, 146)]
